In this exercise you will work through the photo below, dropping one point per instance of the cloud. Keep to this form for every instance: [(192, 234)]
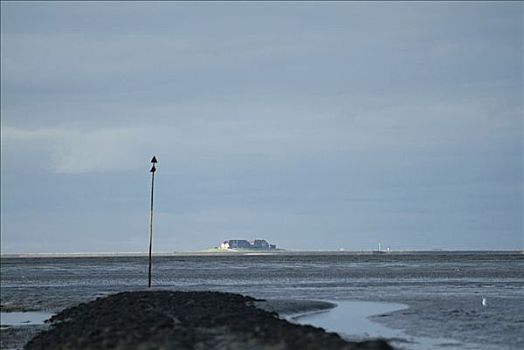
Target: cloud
[(229, 132), (75, 151), (72, 61)]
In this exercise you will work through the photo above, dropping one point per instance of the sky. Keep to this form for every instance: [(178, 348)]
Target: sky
[(313, 125)]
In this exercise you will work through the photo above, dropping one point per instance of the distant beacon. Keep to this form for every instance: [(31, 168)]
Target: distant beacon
[(258, 244)]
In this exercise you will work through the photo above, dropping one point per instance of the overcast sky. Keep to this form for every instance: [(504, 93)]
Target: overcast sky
[(312, 125)]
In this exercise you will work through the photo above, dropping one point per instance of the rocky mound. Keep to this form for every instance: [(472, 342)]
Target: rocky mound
[(182, 320)]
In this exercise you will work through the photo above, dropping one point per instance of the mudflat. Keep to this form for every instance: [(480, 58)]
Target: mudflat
[(183, 320)]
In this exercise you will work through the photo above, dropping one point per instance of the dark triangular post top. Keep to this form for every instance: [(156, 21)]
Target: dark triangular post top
[(153, 169), (154, 160)]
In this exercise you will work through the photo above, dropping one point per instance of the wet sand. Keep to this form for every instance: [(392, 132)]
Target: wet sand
[(185, 320)]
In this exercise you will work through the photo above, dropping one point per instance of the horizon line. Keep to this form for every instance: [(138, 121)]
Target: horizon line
[(253, 252)]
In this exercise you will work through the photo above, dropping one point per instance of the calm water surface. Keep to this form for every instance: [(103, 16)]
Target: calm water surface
[(443, 291)]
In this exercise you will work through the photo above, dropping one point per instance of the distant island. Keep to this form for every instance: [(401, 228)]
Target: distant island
[(244, 244)]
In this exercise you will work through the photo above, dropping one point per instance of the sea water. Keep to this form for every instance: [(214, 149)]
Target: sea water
[(441, 293)]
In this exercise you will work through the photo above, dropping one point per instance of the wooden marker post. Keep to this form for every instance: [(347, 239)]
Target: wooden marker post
[(153, 169)]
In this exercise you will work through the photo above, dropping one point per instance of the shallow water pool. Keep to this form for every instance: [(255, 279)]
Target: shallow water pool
[(351, 320), (28, 318)]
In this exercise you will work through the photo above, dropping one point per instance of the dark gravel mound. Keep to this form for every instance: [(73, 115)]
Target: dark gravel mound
[(182, 320)]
